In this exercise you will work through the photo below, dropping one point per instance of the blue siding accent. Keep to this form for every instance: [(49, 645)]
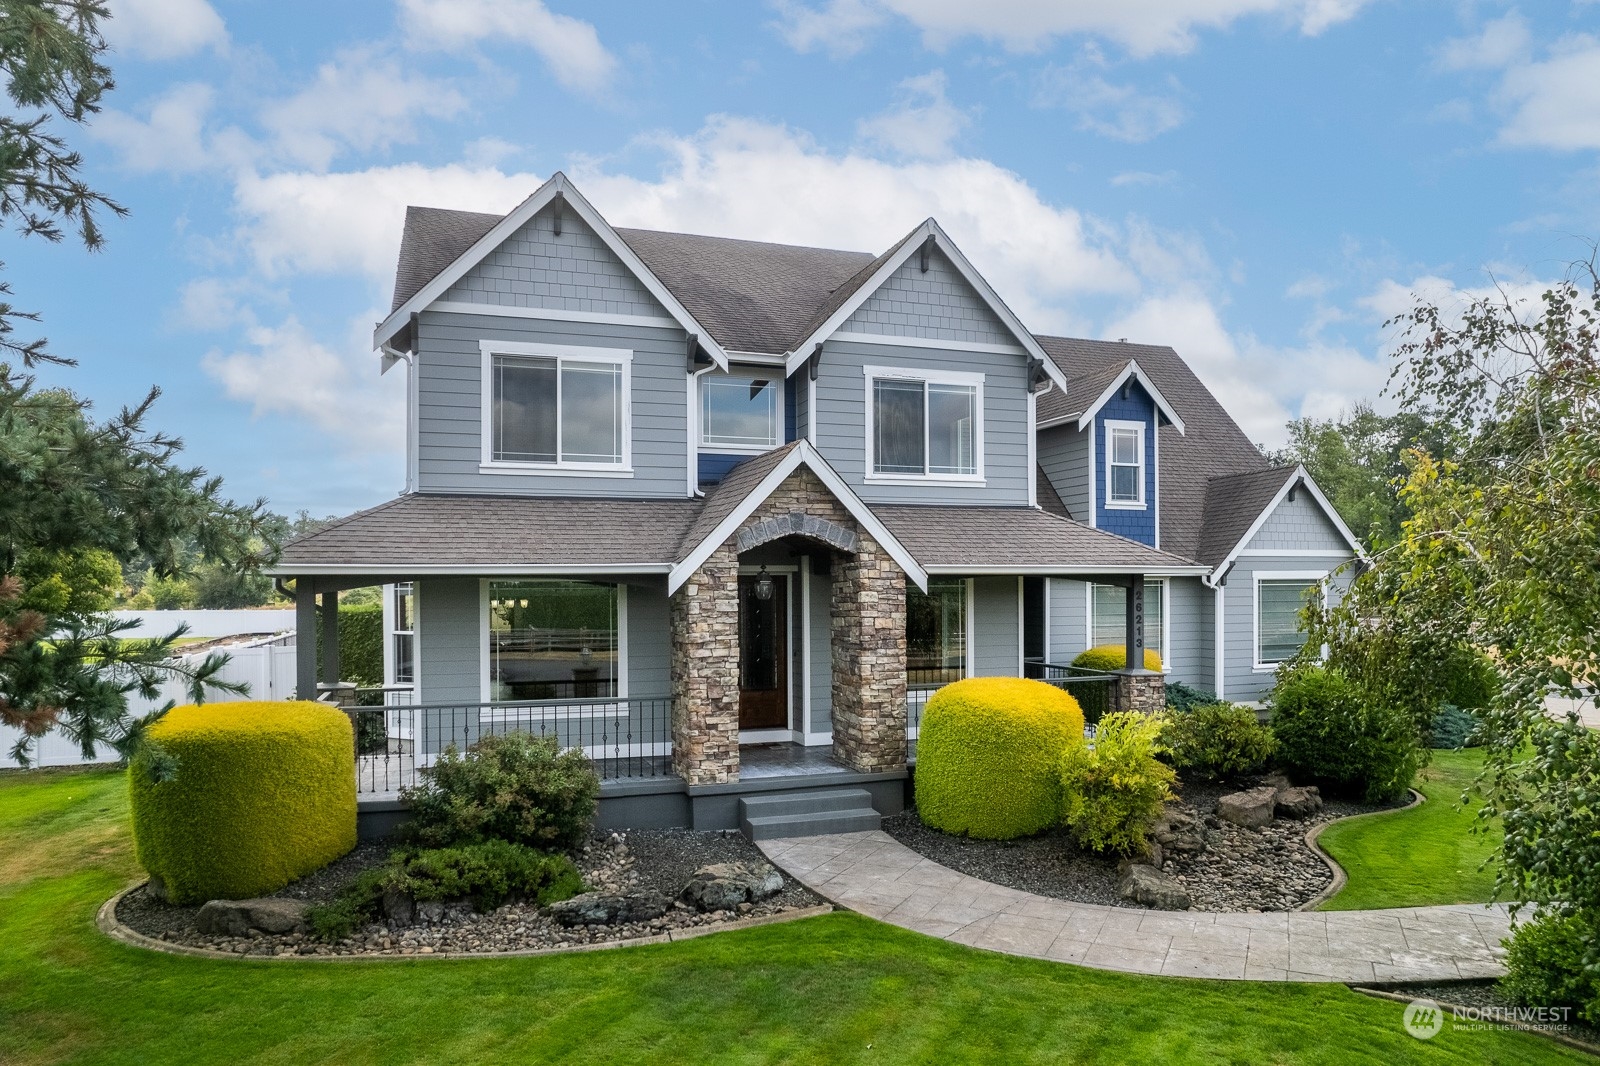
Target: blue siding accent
[(1135, 524), (714, 466)]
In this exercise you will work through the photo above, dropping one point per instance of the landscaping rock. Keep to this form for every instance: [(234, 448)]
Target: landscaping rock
[(236, 917), (600, 908), (725, 885), (1150, 887), (400, 907), (1179, 831), (1249, 809), (1299, 802)]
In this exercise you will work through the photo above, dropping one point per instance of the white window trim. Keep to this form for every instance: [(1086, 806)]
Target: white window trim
[(743, 374), (1320, 577), (580, 710), (926, 377), (1166, 623), (622, 357), (391, 630), (1112, 424)]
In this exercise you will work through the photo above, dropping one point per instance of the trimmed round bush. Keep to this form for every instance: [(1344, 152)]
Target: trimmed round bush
[(1114, 657), (234, 800), (988, 756)]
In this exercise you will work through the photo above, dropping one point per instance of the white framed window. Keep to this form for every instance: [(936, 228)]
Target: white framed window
[(403, 634), (924, 425), (1124, 464), (1108, 621), (552, 639), (741, 412), (556, 409), (939, 631), (1280, 597)]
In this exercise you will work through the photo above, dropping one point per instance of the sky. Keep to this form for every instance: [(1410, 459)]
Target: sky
[(1258, 183)]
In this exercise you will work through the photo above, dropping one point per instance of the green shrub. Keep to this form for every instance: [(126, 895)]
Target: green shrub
[(1105, 657), (488, 873), (1545, 964), (1469, 679), (987, 756), (1113, 787), (262, 793), (1181, 697), (1327, 733), (514, 787), (360, 643), (1453, 728), (1217, 740)]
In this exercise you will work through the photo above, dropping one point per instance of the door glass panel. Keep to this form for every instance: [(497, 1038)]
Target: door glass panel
[(758, 649)]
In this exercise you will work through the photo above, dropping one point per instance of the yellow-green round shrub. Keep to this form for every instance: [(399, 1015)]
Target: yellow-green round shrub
[(988, 754), (1114, 657), (262, 793)]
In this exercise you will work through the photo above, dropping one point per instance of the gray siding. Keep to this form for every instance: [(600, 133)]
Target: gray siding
[(1064, 456), (841, 397), (997, 637), (449, 640), (821, 645), (1189, 623), (1297, 526), (937, 305), (1068, 615), (449, 417), (573, 272), (649, 663), (1246, 683)]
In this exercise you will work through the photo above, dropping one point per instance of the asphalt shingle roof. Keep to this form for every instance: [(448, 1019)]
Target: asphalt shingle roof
[(1012, 536), (729, 493), (434, 238), (1233, 503)]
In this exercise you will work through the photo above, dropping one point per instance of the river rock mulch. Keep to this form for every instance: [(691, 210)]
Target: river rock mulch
[(1270, 868), (632, 862)]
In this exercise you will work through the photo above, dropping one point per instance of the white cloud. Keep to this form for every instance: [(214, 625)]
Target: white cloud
[(164, 29), (1555, 102), (922, 123), (1143, 27), (570, 47), (172, 138), (1144, 177), (1121, 112), (1501, 42)]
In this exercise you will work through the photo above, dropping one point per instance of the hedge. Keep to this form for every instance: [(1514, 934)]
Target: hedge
[(1114, 657), (262, 793), (360, 643), (988, 756)]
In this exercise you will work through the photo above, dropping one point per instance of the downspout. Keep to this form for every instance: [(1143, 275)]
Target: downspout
[(694, 429), (1217, 581), (391, 356), (1033, 441)]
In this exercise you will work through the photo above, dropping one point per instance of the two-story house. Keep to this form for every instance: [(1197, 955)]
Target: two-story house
[(722, 512)]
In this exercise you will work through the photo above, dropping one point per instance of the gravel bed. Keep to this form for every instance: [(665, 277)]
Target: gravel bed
[(1240, 870), (629, 863)]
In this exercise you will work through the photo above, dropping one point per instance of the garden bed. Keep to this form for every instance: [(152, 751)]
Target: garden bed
[(1241, 870), (631, 863)]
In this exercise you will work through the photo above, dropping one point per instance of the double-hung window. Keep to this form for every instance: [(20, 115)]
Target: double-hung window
[(556, 407), (740, 413), (1124, 464), (1108, 615), (924, 425), (1279, 601), (402, 617)]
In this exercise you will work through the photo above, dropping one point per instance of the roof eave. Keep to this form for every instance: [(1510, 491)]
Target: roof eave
[(1134, 372)]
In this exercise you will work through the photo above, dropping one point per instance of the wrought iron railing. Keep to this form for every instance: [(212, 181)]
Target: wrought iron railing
[(1091, 688), (625, 737)]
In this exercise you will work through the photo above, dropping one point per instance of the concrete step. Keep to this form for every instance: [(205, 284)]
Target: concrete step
[(776, 826), (807, 801)]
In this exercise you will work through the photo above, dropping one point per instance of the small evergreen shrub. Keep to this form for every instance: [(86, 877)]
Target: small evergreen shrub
[(987, 756), (1545, 964), (1181, 697), (234, 800), (514, 787), (1453, 728), (1105, 657), (1112, 788), (1217, 740), (360, 642), (1328, 733)]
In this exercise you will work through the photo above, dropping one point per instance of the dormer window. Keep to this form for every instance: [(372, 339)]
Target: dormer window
[(555, 408), (740, 413), (1124, 464), (924, 425)]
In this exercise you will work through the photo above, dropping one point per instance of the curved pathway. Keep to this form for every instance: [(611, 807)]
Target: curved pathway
[(877, 875)]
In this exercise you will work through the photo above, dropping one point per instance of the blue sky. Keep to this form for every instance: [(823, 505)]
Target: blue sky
[(1259, 184)]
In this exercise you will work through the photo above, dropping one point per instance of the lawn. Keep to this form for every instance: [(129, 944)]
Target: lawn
[(835, 989), (1421, 856)]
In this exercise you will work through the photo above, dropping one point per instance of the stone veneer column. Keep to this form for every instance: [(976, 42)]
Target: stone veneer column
[(1144, 691), (869, 660), (705, 672)]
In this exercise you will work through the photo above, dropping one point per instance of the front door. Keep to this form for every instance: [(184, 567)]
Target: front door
[(763, 655)]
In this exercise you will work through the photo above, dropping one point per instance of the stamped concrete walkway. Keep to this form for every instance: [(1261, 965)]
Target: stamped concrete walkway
[(880, 877)]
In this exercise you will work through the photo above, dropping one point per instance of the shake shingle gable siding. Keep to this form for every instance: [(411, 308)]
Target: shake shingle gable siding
[(937, 305), (1232, 505)]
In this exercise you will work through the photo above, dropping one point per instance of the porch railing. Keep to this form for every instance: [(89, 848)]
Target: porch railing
[(625, 737), (1091, 688)]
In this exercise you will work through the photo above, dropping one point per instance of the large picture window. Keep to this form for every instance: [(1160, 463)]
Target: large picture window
[(740, 413), (557, 407), (553, 640), (924, 426), (1125, 464), (1279, 602), (936, 632), (1108, 615)]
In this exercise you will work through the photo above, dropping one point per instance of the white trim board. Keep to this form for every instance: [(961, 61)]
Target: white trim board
[(551, 314), (1130, 371), (1298, 476), (890, 339), (965, 379), (406, 571)]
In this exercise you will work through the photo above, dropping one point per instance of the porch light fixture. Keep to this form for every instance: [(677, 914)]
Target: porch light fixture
[(764, 585)]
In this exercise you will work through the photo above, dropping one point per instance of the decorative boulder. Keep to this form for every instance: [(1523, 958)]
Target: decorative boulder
[(725, 885), (1150, 887), (599, 908), (1249, 809), (1179, 831), (1299, 802), (236, 917)]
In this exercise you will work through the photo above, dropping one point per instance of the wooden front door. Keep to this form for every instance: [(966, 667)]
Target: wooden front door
[(763, 655)]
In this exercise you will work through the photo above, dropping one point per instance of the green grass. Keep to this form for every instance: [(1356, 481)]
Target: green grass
[(1425, 855), (835, 989)]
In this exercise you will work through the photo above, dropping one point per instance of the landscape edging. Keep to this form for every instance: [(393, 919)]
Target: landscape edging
[(108, 923), (1340, 878)]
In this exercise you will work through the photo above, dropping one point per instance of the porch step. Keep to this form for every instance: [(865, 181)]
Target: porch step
[(807, 813)]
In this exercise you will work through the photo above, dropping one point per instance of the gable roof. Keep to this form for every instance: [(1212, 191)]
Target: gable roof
[(1089, 400), (434, 238), (1233, 504)]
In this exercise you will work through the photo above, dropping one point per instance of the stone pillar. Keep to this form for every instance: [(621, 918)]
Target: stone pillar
[(1144, 691), (869, 660), (705, 672)]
